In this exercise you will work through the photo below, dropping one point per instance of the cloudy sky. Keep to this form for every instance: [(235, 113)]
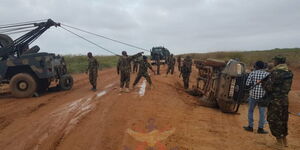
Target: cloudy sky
[(183, 26)]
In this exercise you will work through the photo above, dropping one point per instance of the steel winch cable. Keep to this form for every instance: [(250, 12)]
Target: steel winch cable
[(15, 29), (21, 23), (89, 41), (16, 32), (107, 38)]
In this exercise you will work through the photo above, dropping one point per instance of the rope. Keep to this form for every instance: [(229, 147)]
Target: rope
[(117, 41), (88, 41)]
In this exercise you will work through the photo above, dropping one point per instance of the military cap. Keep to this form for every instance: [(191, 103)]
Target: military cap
[(124, 53)]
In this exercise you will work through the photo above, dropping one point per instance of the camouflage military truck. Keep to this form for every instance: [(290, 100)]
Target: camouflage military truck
[(26, 70), (220, 84), (160, 53)]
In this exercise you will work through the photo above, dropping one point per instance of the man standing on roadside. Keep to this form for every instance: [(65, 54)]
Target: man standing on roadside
[(157, 63), (92, 70), (278, 86), (179, 62), (256, 93), (186, 71), (124, 69), (171, 64), (135, 65)]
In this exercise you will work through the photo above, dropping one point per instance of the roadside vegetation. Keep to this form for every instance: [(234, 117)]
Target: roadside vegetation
[(78, 63), (250, 57)]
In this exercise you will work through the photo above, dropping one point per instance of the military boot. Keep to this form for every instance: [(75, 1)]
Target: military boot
[(94, 88), (285, 143), (279, 144)]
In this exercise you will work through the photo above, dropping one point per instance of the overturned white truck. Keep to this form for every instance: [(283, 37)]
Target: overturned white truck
[(221, 84)]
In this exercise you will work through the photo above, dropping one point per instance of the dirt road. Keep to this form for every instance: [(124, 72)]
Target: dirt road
[(164, 117)]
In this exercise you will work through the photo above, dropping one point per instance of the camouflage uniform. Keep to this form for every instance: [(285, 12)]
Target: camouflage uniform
[(135, 65), (278, 86), (124, 68), (93, 71), (157, 62), (143, 72), (186, 70), (171, 64), (179, 62)]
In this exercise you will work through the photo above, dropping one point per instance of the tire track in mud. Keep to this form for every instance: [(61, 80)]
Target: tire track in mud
[(49, 131), (26, 114), (43, 100)]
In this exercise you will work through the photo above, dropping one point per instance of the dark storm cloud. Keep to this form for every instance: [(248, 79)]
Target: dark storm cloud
[(182, 26)]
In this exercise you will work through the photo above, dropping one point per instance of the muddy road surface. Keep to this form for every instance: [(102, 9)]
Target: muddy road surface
[(163, 117)]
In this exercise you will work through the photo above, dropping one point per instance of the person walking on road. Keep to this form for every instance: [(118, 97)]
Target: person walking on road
[(256, 93), (157, 63), (179, 62), (135, 65), (143, 72), (278, 86), (92, 70), (124, 69), (186, 70), (171, 64)]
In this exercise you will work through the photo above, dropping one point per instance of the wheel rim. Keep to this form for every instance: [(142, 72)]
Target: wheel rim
[(22, 85)]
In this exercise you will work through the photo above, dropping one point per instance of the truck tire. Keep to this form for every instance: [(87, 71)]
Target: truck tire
[(5, 40), (227, 106), (66, 82), (22, 85)]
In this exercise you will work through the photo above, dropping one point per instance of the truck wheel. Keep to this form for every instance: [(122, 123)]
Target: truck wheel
[(22, 85), (5, 40), (227, 106), (66, 82)]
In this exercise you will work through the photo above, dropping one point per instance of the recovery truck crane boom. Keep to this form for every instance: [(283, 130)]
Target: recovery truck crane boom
[(25, 69)]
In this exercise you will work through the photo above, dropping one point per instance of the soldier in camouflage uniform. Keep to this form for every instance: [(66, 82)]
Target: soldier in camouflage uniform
[(92, 70), (157, 62), (179, 62), (186, 70), (143, 71), (135, 65), (171, 64), (278, 86), (123, 68)]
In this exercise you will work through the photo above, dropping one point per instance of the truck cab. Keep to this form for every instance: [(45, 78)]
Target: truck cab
[(160, 54)]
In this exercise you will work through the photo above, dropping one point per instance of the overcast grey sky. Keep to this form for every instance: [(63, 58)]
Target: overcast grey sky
[(183, 26)]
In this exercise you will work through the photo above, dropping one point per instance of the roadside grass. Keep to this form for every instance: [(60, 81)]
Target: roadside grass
[(79, 63), (250, 57)]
